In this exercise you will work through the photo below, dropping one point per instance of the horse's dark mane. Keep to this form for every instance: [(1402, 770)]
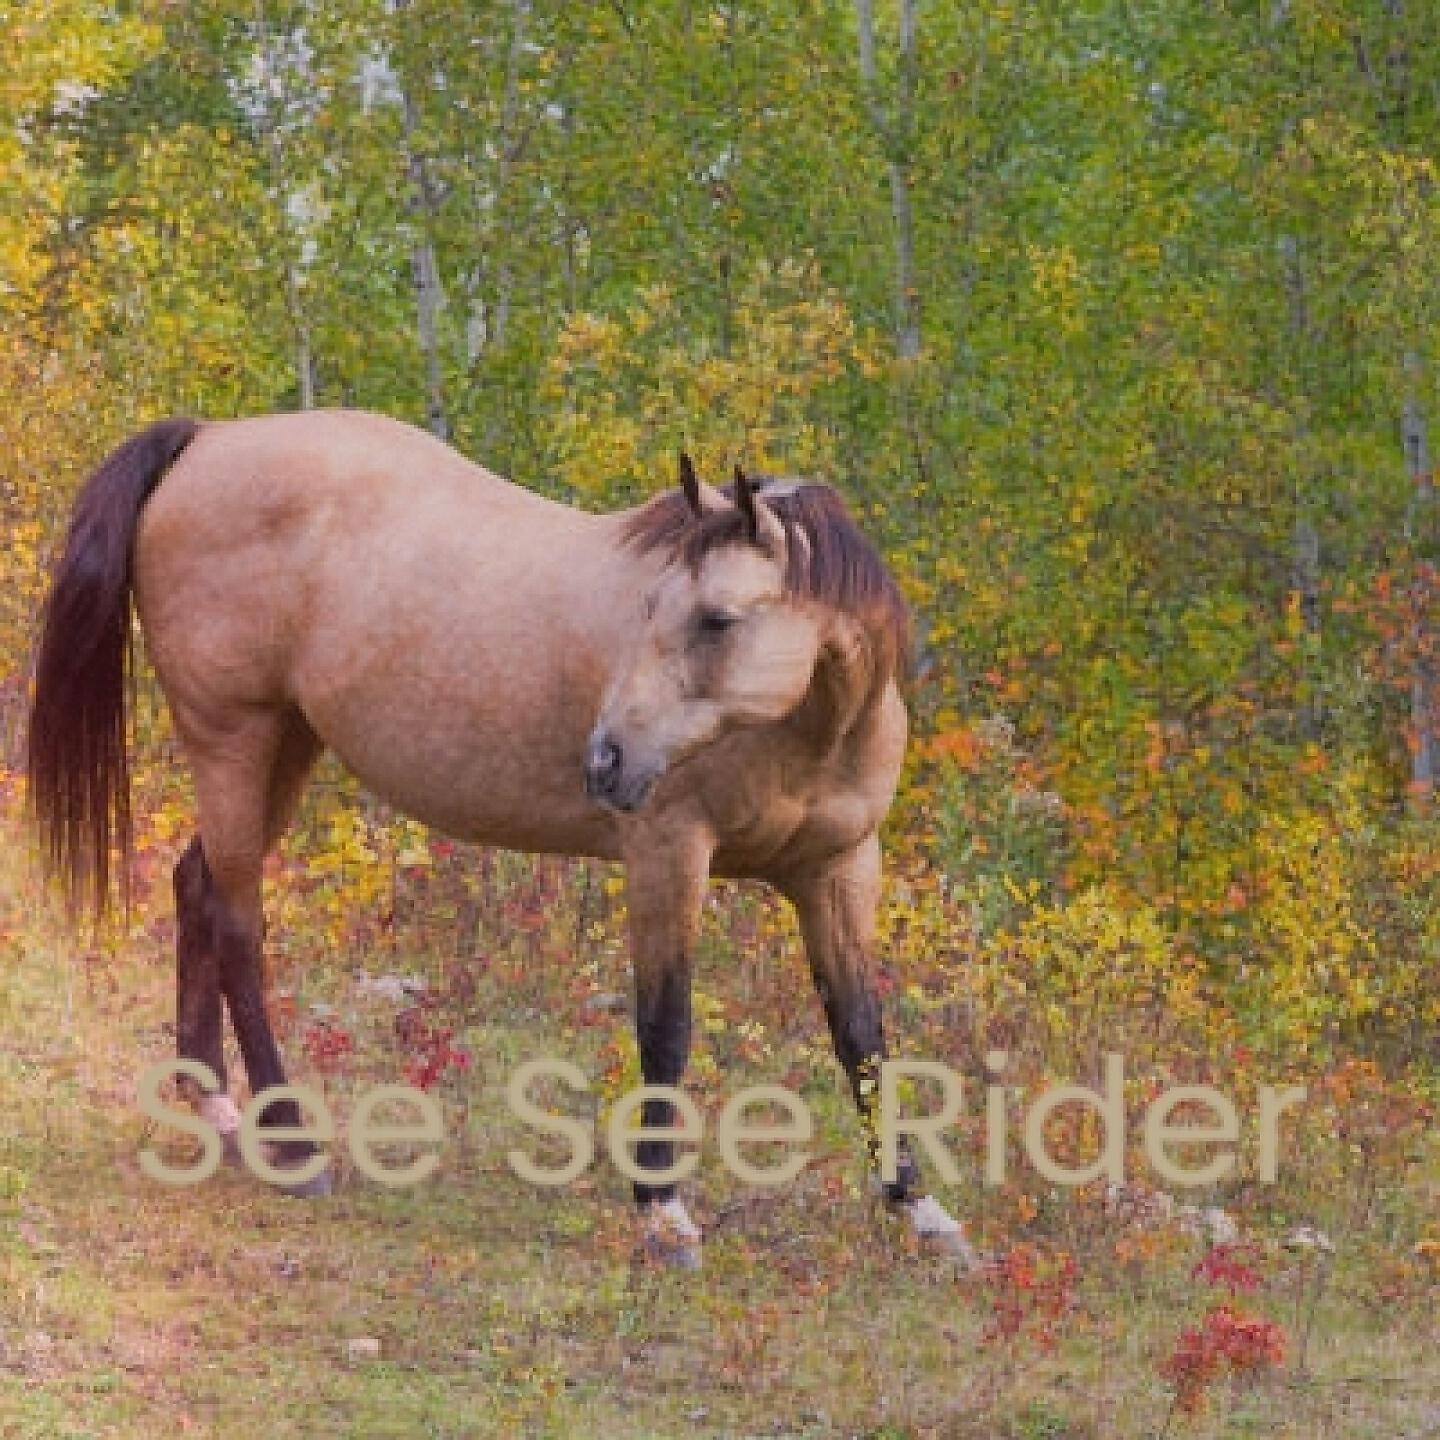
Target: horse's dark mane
[(835, 565)]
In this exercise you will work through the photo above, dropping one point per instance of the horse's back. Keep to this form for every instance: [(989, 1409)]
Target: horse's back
[(352, 458)]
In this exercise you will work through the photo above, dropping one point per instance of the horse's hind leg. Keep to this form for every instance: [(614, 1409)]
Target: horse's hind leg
[(247, 782), (198, 1013)]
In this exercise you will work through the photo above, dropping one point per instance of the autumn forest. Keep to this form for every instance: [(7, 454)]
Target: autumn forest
[(1118, 325)]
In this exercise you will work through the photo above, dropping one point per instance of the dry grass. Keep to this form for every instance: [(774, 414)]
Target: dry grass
[(128, 1309)]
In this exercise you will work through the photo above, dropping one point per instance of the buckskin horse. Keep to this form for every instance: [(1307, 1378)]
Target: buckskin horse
[(707, 684)]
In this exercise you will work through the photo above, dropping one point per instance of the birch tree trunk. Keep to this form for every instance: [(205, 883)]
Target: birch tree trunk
[(509, 152), (1305, 540), (490, 284), (425, 269), (424, 206), (1421, 526), (895, 139), (294, 290), (292, 243)]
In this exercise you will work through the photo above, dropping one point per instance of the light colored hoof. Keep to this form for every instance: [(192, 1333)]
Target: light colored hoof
[(668, 1236), (1212, 1224), (671, 1255), (220, 1111), (320, 1185), (940, 1232), (968, 1260)]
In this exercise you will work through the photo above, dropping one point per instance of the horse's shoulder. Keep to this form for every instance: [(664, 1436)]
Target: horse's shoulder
[(775, 801)]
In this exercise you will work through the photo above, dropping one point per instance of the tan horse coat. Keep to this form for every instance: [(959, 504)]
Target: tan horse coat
[(464, 646)]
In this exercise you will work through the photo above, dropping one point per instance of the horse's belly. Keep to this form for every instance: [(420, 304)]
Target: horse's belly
[(484, 814), (518, 785)]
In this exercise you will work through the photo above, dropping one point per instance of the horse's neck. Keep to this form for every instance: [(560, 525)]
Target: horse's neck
[(615, 580), (846, 690)]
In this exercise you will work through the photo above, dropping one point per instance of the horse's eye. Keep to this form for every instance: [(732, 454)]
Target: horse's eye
[(715, 622)]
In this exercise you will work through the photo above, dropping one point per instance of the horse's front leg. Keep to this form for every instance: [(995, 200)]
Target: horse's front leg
[(665, 887), (836, 906)]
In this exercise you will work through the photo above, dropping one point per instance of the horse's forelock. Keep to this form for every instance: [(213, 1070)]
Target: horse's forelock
[(835, 563)]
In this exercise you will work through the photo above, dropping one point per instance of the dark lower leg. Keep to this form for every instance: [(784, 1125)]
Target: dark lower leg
[(836, 909), (242, 982), (662, 1026), (197, 971), (856, 1028)]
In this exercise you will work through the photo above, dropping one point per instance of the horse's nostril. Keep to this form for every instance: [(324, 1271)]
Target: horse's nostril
[(603, 762)]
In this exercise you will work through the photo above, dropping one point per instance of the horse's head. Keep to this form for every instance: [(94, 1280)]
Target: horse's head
[(735, 628)]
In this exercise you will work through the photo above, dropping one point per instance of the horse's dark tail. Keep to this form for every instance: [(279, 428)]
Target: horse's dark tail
[(79, 776)]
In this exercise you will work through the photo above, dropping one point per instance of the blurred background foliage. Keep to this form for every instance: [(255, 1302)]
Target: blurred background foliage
[(1115, 321)]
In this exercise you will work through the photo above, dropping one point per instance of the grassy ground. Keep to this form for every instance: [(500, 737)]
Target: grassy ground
[(129, 1309)]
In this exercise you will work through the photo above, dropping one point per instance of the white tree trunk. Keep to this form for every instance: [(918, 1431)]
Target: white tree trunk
[(425, 269), (895, 138), (292, 243), (1305, 540), (424, 265), (492, 282), (1424, 721)]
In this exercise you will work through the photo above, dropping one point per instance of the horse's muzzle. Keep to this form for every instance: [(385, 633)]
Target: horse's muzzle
[(604, 765), (606, 779)]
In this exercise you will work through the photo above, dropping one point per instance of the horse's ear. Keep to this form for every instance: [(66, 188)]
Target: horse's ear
[(745, 499), (690, 483), (761, 522), (702, 499)]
